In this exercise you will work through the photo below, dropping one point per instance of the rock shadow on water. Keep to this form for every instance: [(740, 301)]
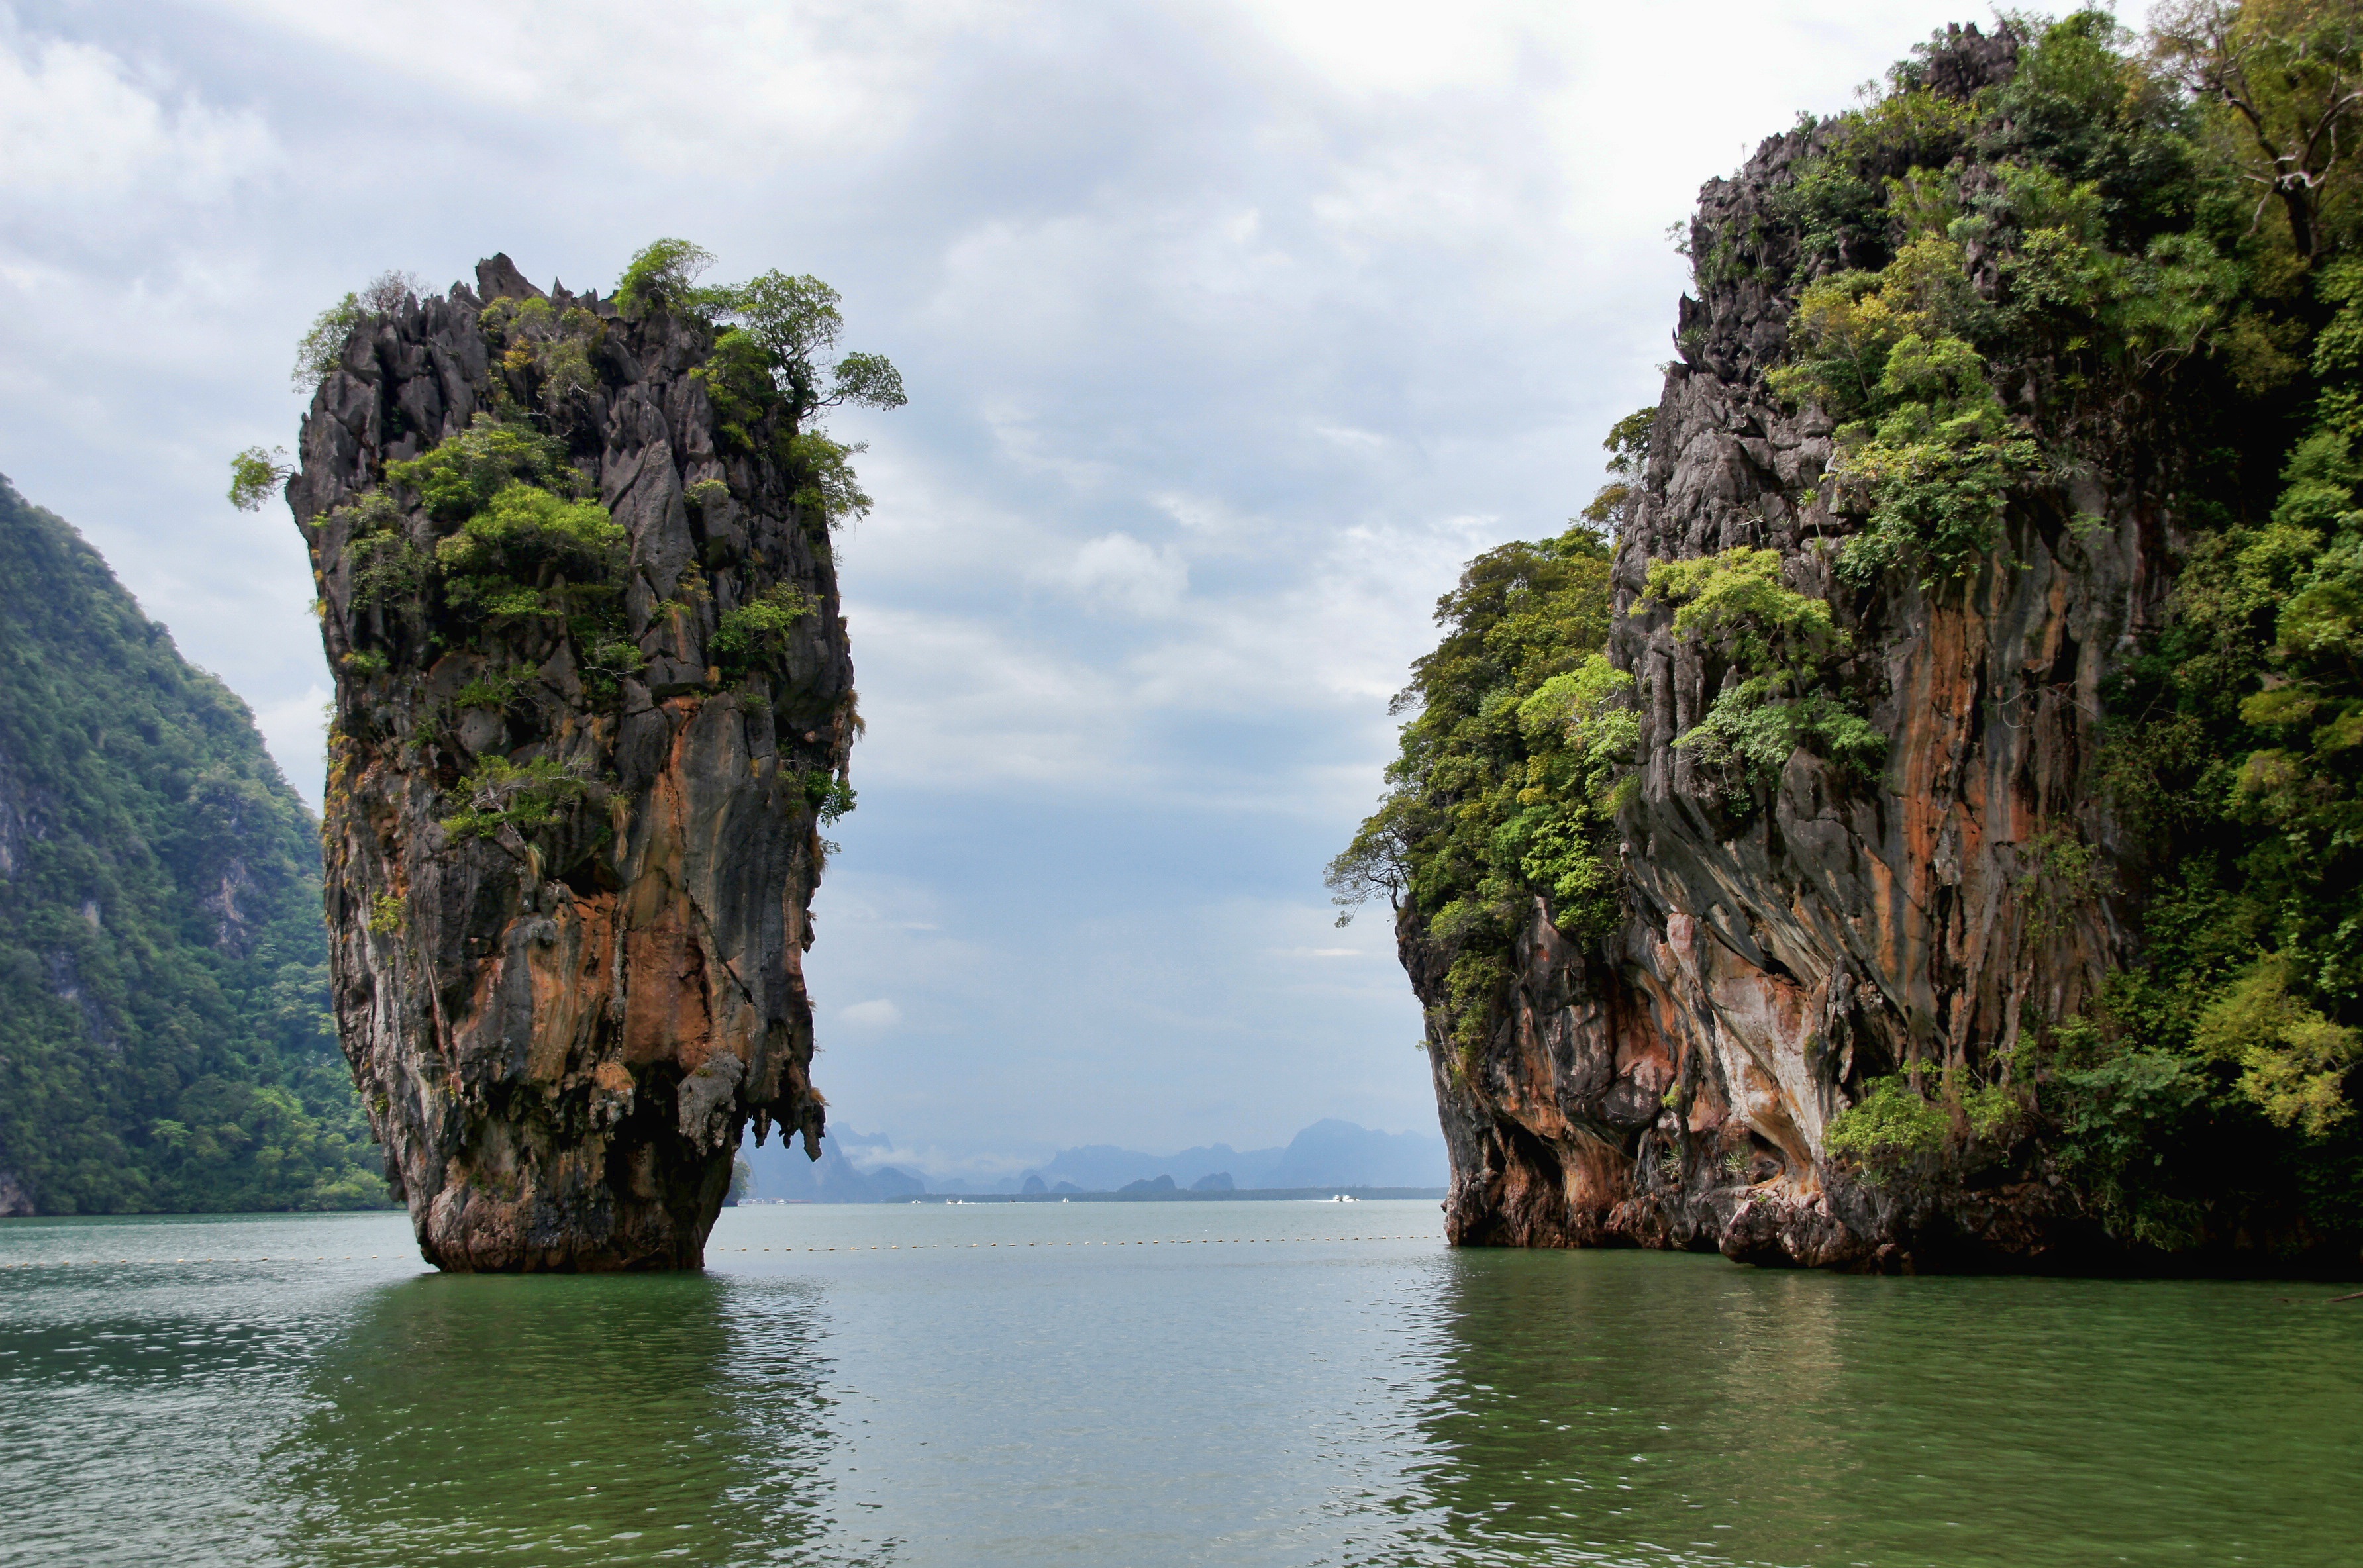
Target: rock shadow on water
[(577, 1418)]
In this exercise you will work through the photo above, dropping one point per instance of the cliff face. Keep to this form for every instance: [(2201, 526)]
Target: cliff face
[(1674, 1086), (1782, 941), (163, 980), (593, 694)]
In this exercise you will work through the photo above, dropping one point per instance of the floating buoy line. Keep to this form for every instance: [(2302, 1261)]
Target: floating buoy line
[(733, 1252)]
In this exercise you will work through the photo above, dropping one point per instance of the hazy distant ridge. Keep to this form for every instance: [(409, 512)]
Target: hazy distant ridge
[(1330, 1152)]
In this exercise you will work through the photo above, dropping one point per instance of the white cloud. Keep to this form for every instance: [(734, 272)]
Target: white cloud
[(296, 731), (1118, 574), (76, 124), (1399, 46), (967, 702), (879, 1014), (1207, 516), (757, 82)]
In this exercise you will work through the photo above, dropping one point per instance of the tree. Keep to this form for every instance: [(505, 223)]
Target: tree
[(323, 344), (663, 277), (1377, 863), (2290, 74), (796, 321), (1612, 511), (254, 474)]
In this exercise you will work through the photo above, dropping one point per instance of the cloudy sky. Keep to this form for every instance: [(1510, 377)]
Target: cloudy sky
[(1232, 327)]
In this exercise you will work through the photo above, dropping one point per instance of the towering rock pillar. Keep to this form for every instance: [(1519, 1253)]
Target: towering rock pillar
[(594, 699)]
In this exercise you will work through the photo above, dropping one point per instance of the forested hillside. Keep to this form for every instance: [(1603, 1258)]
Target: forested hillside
[(165, 1042)]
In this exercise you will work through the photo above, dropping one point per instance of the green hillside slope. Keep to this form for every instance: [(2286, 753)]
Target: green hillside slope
[(165, 1042)]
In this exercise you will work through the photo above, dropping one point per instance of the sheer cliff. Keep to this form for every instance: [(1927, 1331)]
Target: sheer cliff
[(1923, 836), (165, 1042), (595, 702)]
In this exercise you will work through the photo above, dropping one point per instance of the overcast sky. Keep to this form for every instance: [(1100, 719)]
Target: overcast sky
[(1230, 329)]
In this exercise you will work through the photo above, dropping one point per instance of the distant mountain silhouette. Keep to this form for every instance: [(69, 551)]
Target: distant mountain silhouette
[(1103, 1168), (1330, 1152), (1340, 1153), (782, 1171)]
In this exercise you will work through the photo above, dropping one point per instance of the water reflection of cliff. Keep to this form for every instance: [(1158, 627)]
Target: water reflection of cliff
[(1631, 1407), (1627, 1407), (564, 1418)]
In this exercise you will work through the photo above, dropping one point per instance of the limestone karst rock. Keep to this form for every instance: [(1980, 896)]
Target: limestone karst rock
[(2004, 913), (593, 700), (1762, 952)]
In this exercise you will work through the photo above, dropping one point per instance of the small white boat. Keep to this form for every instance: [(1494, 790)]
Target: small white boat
[(1345, 1198)]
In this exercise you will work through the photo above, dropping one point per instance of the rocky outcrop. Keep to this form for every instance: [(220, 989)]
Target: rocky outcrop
[(570, 839), (1674, 1086)]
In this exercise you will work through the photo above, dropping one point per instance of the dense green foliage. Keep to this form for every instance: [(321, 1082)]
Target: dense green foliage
[(518, 556), (1781, 642), (1506, 786), (758, 629), (254, 475), (323, 343), (524, 543), (164, 1036), (768, 370), (527, 796)]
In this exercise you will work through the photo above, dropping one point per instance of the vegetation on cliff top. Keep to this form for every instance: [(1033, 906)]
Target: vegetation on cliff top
[(490, 541), (2130, 256), (165, 1042)]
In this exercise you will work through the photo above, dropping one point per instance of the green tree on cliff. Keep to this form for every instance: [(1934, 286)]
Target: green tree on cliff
[(1505, 788)]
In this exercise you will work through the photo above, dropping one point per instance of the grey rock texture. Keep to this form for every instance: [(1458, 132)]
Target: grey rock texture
[(1674, 1090), (560, 1034)]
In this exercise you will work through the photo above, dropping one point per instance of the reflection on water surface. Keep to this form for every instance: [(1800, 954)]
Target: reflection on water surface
[(1232, 1383), (1666, 1409), (596, 1420)]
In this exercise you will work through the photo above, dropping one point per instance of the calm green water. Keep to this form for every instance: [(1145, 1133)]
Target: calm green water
[(1237, 1383)]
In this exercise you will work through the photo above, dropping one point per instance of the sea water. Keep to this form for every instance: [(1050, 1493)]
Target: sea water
[(1144, 1383)]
